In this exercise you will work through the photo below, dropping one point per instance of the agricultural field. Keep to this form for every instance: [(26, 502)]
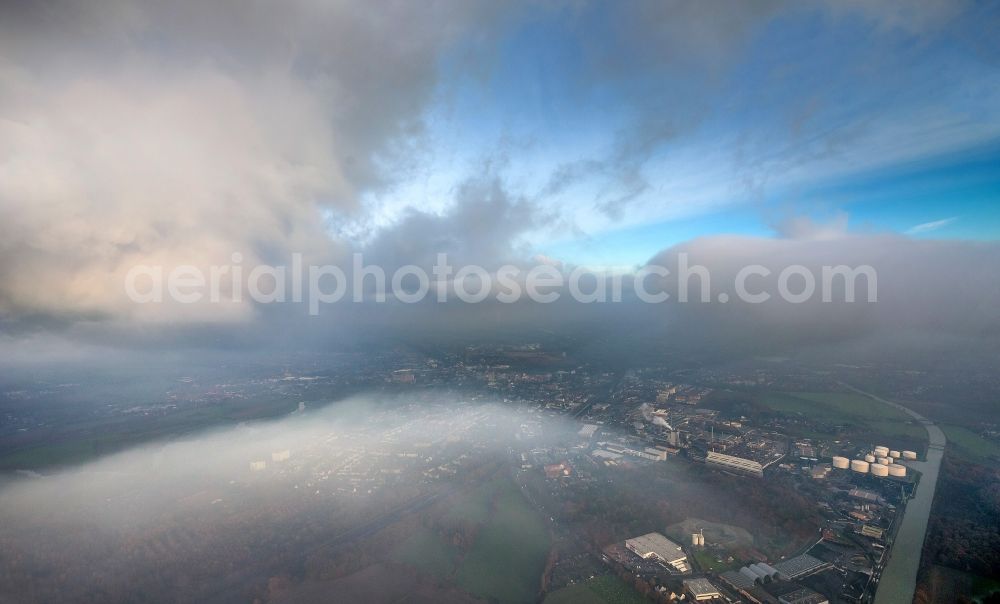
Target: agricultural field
[(971, 445), (428, 553), (845, 408), (505, 556), (606, 589), (508, 556)]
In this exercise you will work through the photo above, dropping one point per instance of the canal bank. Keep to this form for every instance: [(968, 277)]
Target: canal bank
[(899, 577)]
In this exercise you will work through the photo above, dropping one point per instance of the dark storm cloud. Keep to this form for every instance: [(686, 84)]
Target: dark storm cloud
[(140, 132), (149, 133)]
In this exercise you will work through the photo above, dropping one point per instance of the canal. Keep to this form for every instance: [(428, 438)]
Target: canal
[(899, 577)]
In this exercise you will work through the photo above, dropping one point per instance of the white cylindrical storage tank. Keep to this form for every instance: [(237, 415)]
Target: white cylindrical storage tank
[(694, 538), (884, 461), (870, 458), (894, 454), (909, 454), (859, 465), (897, 470), (879, 469), (841, 462), (881, 451)]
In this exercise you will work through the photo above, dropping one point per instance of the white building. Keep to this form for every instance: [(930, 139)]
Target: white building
[(735, 464), (701, 589), (656, 546)]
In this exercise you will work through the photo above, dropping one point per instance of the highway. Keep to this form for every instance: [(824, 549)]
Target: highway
[(899, 577)]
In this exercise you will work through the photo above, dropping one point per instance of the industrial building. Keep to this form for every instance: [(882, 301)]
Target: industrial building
[(656, 546), (759, 573), (735, 464), (800, 566), (792, 593), (737, 580), (820, 472), (701, 590)]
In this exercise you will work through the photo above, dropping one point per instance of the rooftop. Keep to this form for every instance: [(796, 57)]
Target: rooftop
[(656, 544)]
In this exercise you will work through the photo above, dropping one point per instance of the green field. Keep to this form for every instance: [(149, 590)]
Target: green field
[(606, 589), (845, 408), (508, 556), (707, 561), (475, 506), (984, 587), (970, 445), (428, 553)]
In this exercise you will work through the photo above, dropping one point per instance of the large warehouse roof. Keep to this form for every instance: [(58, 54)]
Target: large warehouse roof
[(656, 544)]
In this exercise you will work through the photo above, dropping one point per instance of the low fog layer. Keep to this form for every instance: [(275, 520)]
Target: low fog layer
[(212, 515)]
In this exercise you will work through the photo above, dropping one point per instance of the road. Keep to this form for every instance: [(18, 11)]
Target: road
[(899, 577)]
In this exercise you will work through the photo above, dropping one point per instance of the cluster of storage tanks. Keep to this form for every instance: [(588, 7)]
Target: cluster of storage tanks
[(881, 461)]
